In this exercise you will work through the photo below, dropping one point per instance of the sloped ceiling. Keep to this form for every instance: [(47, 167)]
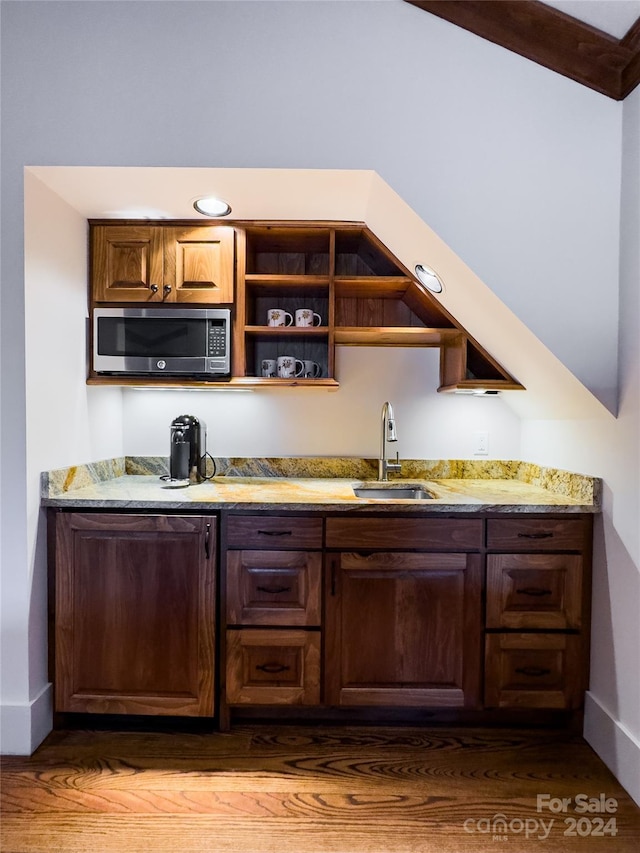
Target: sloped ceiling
[(545, 33), (552, 391)]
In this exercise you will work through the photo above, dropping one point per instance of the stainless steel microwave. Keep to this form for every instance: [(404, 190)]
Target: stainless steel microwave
[(162, 341)]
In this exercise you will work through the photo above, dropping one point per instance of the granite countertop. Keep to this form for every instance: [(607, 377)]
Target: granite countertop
[(134, 483)]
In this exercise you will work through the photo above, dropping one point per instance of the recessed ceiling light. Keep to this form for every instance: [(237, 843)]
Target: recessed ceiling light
[(429, 278), (212, 206)]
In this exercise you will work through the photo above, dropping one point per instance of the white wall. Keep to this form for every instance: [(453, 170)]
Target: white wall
[(611, 450), (516, 168), (67, 423), (346, 422)]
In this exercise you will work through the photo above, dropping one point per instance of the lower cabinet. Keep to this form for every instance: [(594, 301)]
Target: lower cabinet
[(273, 610), (537, 602), (403, 630), (404, 612), (134, 613), (273, 667), (533, 671), (318, 610)]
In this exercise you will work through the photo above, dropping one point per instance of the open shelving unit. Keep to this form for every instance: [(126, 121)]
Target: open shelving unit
[(363, 294)]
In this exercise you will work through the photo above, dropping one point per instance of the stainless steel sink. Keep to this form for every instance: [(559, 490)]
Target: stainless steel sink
[(392, 491)]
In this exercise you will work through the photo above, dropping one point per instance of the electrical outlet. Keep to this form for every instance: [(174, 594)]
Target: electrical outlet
[(481, 444)]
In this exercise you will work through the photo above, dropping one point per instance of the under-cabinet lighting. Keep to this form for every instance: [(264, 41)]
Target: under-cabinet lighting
[(429, 278), (212, 206), (182, 389), (477, 392)]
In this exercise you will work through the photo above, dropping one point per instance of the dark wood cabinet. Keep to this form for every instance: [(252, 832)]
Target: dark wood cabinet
[(273, 582), (334, 613), (534, 671), (534, 591), (134, 613), (403, 629), (274, 588), (537, 586), (273, 667)]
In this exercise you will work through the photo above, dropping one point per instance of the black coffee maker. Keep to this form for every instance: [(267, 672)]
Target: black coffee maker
[(188, 447)]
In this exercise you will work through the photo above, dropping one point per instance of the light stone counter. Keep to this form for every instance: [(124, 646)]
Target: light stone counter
[(514, 487)]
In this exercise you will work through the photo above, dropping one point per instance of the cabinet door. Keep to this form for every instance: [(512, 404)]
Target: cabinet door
[(127, 263), (198, 264), (404, 629), (273, 587), (134, 614)]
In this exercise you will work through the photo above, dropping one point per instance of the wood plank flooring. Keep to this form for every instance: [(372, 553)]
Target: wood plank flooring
[(305, 789)]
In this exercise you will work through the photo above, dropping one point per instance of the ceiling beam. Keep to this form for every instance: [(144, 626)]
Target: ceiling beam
[(551, 38)]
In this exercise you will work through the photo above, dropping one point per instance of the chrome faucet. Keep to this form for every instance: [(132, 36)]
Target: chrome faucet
[(388, 434)]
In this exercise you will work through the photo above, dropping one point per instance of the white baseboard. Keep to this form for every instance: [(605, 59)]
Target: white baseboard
[(615, 745), (24, 727)]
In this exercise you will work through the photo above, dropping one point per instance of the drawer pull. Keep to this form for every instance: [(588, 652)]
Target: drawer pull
[(535, 671), (535, 535), (273, 590), (533, 590), (272, 668), (275, 532)]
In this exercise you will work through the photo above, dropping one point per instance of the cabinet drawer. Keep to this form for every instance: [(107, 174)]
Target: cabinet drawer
[(536, 534), (273, 587), (533, 671), (403, 533), (534, 590), (273, 667), (278, 532)]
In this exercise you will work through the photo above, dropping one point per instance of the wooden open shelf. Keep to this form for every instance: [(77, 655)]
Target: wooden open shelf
[(390, 336), (341, 271)]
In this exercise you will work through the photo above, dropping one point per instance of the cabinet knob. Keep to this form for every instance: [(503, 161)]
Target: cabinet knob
[(166, 289), (153, 288)]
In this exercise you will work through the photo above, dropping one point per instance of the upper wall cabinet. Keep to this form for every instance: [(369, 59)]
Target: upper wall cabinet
[(156, 263)]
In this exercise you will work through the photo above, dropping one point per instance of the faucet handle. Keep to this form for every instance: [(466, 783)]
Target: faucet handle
[(395, 466)]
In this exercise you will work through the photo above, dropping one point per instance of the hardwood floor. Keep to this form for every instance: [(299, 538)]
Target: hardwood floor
[(304, 789)]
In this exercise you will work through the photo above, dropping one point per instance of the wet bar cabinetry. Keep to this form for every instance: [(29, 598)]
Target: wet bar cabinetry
[(477, 615), (272, 593), (132, 601), (359, 292), (537, 620), (403, 612), (362, 614)]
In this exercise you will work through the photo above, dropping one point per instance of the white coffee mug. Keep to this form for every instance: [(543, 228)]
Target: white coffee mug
[(312, 369), (307, 317), (268, 367), (289, 367), (279, 317)]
